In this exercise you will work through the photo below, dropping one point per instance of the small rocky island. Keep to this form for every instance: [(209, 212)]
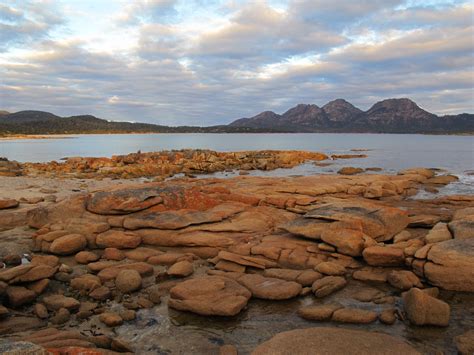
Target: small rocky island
[(135, 254)]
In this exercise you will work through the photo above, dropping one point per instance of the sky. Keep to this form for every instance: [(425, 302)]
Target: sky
[(206, 62)]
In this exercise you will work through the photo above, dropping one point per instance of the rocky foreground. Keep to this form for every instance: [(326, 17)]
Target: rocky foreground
[(92, 261)]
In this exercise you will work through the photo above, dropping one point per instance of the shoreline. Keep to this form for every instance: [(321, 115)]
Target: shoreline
[(252, 239), (75, 135)]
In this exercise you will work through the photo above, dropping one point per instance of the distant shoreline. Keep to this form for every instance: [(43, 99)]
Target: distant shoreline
[(75, 135)]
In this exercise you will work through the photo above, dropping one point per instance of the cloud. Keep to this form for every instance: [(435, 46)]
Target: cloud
[(25, 22), (209, 62)]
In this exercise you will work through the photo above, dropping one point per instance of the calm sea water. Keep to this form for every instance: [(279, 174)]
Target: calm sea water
[(391, 152)]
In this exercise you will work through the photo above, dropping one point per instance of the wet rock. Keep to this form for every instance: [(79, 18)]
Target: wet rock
[(368, 295), (319, 313), (403, 279), (86, 257), (442, 179), (111, 319), (128, 281), (451, 265), (328, 285), (68, 244), (118, 239), (465, 343), (439, 233), (19, 296), (56, 302), (383, 256), (353, 315), (326, 340), (349, 170), (4, 312), (423, 309), (209, 295), (181, 269), (270, 288)]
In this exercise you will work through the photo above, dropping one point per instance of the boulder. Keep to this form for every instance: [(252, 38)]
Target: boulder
[(327, 340), (128, 281), (181, 269), (347, 241), (383, 256), (113, 254), (209, 295), (463, 228), (403, 279), (85, 283), (377, 221), (86, 257), (319, 313), (36, 273), (8, 203), (328, 285), (111, 319), (465, 343), (118, 239), (68, 244), (305, 227), (451, 265), (19, 296), (423, 309), (353, 315), (56, 302), (270, 288), (330, 268), (388, 316), (439, 233)]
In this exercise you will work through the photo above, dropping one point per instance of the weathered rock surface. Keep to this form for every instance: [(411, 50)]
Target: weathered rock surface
[(210, 295), (128, 281), (328, 285), (451, 265), (383, 256), (270, 288), (423, 309), (325, 340)]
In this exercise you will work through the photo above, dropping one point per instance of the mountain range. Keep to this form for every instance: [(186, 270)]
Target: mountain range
[(387, 116)]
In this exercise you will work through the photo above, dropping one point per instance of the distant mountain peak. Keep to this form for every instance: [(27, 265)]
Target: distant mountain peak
[(390, 115)]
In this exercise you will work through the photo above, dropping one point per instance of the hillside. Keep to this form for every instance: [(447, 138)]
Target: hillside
[(39, 122), (387, 116)]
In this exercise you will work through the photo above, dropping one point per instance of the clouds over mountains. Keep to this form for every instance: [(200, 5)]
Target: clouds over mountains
[(207, 62)]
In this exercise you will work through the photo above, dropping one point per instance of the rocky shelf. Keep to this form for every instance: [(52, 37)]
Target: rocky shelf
[(92, 260)]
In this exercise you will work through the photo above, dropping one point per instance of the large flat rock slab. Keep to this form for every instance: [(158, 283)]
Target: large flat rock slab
[(326, 341)]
